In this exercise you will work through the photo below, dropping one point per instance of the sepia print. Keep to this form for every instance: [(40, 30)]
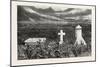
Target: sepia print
[(53, 31)]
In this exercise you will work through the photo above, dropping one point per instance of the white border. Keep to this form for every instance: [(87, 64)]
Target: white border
[(15, 62)]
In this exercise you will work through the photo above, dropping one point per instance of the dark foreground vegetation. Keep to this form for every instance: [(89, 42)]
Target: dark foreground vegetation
[(51, 48)]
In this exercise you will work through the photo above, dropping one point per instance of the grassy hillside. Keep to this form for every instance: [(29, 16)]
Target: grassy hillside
[(50, 31)]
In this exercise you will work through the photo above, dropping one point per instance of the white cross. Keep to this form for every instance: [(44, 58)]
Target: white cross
[(61, 36)]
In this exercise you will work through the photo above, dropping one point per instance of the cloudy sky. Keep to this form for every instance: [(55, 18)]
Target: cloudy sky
[(56, 7), (61, 13)]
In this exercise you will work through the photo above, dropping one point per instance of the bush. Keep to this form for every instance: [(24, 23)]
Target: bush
[(51, 49)]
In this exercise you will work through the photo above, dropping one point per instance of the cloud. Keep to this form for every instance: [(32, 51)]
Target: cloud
[(78, 12), (58, 17), (32, 12)]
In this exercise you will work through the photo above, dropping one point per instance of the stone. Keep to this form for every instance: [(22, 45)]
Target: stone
[(61, 33), (78, 35)]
